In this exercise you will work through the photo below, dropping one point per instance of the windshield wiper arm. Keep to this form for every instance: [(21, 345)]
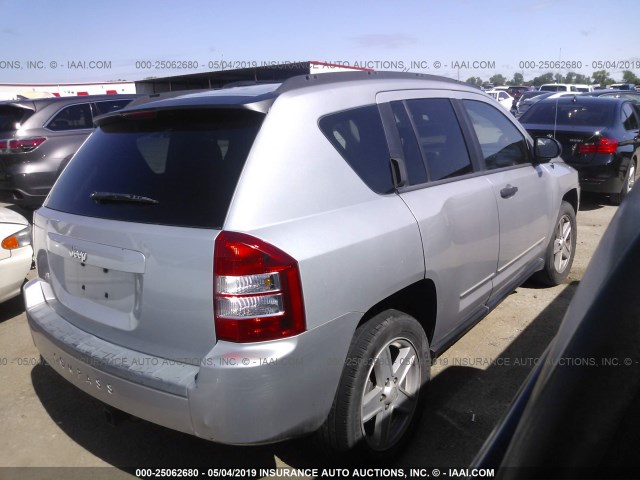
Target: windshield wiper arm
[(109, 197)]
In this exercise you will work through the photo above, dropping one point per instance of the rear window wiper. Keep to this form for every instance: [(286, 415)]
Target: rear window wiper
[(109, 197)]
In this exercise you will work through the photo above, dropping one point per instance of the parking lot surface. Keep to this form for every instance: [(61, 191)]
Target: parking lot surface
[(46, 422)]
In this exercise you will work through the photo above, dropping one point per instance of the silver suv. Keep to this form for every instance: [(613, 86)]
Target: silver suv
[(262, 262)]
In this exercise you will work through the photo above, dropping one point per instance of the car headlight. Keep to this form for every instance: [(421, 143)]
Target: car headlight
[(18, 239)]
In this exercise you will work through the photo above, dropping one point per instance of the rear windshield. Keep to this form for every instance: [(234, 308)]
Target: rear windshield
[(185, 163), (592, 114), (11, 117)]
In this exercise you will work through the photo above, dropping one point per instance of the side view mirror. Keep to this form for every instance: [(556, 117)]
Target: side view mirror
[(545, 149)]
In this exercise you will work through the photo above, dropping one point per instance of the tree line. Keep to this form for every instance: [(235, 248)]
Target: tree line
[(601, 77)]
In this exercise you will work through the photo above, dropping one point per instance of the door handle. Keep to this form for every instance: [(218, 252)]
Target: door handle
[(508, 191)]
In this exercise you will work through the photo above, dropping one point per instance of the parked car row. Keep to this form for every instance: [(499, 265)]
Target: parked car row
[(598, 131), (502, 97), (171, 240), (565, 87), (522, 104), (186, 232), (38, 137), (155, 227), (511, 97), (599, 137)]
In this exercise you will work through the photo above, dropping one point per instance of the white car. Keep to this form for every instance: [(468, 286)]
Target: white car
[(15, 252), (502, 97), (559, 87)]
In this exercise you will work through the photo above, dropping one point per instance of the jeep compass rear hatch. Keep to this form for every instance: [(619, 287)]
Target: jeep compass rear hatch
[(131, 224)]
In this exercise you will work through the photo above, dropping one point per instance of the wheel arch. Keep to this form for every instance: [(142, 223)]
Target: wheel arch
[(418, 300), (573, 199)]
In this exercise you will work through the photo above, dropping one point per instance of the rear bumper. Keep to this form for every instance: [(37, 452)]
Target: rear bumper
[(239, 394), (27, 183), (16, 196), (600, 178)]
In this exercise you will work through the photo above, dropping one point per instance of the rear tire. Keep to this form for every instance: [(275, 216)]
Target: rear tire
[(629, 182), (561, 249), (380, 395)]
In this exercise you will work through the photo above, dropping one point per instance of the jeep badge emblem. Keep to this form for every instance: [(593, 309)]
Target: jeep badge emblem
[(78, 254)]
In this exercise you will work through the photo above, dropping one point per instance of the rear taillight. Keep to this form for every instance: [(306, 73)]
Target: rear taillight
[(24, 145), (604, 145), (258, 293), (3, 144)]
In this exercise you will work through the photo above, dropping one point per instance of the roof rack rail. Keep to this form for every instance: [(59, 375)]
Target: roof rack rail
[(249, 83), (301, 81)]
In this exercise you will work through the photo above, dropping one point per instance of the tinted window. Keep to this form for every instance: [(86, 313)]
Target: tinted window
[(412, 156), (11, 117), (359, 137), (629, 120), (74, 117), (440, 138), (501, 142), (110, 106), (596, 113), (189, 162)]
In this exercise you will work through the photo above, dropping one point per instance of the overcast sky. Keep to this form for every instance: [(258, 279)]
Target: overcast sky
[(45, 41)]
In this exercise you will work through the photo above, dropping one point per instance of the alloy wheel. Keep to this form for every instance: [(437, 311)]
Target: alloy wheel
[(562, 245), (390, 395), (632, 177)]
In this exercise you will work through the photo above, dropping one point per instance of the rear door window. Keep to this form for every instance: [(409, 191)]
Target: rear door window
[(187, 162), (440, 138), (73, 117), (359, 137)]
